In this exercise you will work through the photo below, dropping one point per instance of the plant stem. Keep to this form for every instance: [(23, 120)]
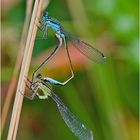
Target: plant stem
[(12, 85), (24, 71)]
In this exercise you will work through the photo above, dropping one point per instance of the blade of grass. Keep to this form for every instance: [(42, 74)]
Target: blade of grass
[(41, 6), (13, 82), (24, 71)]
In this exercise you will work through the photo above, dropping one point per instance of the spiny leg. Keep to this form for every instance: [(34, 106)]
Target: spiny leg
[(29, 97), (45, 32), (28, 85), (43, 27)]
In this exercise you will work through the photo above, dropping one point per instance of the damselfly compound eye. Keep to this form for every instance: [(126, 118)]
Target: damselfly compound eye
[(38, 75), (45, 14)]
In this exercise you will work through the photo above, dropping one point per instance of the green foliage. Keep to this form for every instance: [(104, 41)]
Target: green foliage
[(104, 97)]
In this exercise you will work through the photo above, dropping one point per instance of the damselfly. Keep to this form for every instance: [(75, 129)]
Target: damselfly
[(42, 90), (62, 35)]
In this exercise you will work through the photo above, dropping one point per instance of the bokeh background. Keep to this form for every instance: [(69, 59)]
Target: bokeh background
[(103, 96)]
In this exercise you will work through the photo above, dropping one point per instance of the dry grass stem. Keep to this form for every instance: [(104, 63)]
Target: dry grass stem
[(24, 71), (13, 81)]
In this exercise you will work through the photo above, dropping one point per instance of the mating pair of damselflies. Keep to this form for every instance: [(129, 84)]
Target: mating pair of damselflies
[(40, 86)]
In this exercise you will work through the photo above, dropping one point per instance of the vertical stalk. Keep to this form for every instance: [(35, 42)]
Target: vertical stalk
[(12, 85), (24, 71)]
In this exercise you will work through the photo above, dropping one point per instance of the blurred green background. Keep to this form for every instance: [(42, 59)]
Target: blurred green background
[(104, 97)]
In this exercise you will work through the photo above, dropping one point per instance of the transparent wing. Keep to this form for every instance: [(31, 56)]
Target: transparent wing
[(72, 121), (85, 48)]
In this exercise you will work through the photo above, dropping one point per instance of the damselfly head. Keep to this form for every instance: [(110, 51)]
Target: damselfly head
[(46, 15), (38, 75)]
